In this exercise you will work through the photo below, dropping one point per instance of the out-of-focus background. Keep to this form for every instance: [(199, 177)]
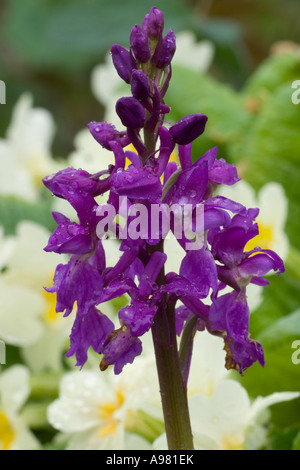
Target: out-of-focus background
[(244, 78), (50, 48)]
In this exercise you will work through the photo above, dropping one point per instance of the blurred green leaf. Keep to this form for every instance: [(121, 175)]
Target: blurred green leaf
[(275, 71), (282, 439), (296, 442), (270, 149), (75, 33), (280, 372), (192, 92), (12, 210), (271, 152), (232, 59), (258, 129), (285, 327)]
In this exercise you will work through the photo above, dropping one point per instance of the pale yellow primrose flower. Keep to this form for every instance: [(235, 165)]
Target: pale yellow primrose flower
[(193, 54), (7, 244), (14, 391), (207, 367), (19, 306), (27, 312), (227, 420), (95, 409), (25, 151)]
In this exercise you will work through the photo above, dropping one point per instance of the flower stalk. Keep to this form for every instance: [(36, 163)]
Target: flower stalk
[(172, 389), (151, 179), (173, 394)]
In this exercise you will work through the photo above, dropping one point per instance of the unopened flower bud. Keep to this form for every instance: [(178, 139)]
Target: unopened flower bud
[(167, 51), (139, 44), (123, 61), (131, 112), (140, 87), (188, 128), (155, 23)]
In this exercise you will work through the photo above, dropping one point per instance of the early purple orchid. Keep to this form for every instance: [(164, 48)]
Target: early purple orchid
[(151, 179)]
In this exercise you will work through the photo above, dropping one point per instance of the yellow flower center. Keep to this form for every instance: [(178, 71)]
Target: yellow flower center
[(36, 166), (106, 413), (264, 239), (50, 315), (130, 148), (173, 157), (7, 434), (231, 442)]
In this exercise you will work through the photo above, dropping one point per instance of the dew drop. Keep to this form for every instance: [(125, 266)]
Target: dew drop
[(183, 200)]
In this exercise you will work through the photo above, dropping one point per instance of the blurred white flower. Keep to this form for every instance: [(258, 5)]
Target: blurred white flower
[(193, 54), (227, 420), (25, 151), (7, 244), (89, 154), (207, 367), (27, 312), (96, 409), (14, 391)]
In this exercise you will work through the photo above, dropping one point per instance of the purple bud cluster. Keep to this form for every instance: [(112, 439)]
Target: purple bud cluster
[(89, 279)]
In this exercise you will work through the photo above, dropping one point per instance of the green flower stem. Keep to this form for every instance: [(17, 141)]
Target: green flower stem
[(35, 415), (172, 389), (45, 384), (186, 345), (143, 424), (149, 140)]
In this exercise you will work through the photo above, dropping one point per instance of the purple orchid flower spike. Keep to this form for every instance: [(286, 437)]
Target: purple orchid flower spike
[(148, 196)]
